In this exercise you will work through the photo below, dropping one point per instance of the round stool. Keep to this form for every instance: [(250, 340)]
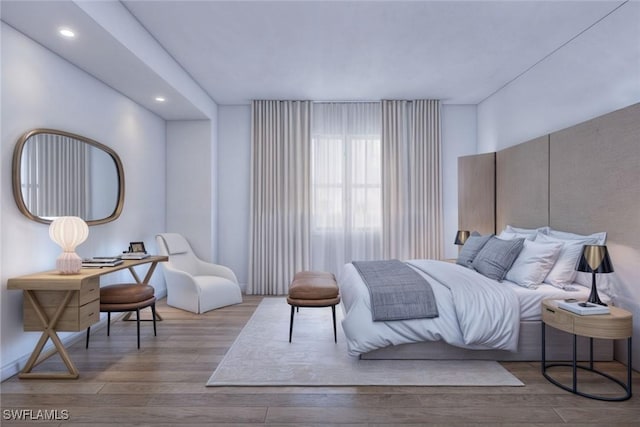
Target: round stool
[(126, 297)]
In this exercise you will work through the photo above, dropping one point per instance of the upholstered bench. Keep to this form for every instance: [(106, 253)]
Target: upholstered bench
[(313, 289), (126, 297)]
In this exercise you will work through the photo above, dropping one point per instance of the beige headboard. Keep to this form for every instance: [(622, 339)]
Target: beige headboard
[(476, 193), (522, 185), (595, 177), (583, 179)]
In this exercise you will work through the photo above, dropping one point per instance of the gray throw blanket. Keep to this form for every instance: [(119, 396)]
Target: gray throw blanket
[(397, 291)]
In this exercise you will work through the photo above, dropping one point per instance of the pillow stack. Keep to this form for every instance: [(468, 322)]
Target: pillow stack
[(528, 257)]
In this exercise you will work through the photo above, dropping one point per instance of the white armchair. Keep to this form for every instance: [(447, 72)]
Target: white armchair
[(192, 284)]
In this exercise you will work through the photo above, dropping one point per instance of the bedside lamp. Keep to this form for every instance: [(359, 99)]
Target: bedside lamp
[(594, 259), (461, 237), (68, 232)]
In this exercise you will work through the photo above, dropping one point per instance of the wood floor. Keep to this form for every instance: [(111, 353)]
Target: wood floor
[(163, 384)]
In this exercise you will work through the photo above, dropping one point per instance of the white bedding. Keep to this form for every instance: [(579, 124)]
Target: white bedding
[(475, 312), (531, 299)]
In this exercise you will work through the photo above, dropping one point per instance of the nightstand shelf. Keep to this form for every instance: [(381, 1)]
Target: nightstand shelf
[(616, 325)]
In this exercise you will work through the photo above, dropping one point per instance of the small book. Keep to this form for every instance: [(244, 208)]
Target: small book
[(134, 255), (584, 308), (101, 262)]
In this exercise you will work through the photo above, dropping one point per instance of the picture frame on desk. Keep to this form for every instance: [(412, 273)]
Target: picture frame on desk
[(137, 247)]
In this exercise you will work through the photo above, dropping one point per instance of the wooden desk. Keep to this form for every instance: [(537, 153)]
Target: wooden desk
[(55, 302)]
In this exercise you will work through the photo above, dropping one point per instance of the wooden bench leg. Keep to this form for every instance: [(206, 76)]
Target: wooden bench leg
[(293, 310)]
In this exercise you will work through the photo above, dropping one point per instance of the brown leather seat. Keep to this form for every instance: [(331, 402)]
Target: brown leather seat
[(313, 289), (126, 297)]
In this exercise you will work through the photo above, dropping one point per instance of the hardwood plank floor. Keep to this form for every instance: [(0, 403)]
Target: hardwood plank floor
[(163, 384)]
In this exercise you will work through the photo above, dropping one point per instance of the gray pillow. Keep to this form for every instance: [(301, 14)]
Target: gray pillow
[(496, 257), (471, 247)]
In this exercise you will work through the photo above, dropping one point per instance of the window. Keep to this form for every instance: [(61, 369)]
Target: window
[(346, 183), (346, 219)]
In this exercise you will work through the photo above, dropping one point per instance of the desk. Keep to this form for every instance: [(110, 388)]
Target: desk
[(55, 302), (618, 324)]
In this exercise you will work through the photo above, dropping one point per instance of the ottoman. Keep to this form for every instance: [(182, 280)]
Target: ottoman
[(313, 289)]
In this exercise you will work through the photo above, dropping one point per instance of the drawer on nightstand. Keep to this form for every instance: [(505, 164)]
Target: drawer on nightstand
[(558, 318)]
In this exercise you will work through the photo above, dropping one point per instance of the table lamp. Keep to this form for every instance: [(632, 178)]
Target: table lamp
[(594, 259), (461, 237), (68, 232)]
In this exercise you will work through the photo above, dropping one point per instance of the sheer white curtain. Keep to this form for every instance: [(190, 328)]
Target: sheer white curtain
[(346, 220), (280, 203), (411, 176)]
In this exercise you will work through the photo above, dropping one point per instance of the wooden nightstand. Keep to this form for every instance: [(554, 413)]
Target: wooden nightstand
[(616, 325)]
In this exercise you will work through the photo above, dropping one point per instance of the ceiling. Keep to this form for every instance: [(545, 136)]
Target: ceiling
[(458, 51)]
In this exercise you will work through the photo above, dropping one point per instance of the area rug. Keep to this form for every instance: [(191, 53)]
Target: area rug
[(263, 356)]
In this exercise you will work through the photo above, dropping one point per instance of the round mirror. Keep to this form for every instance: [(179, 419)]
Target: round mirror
[(56, 173)]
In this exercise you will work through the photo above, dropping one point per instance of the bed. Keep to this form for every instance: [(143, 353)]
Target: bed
[(479, 316)]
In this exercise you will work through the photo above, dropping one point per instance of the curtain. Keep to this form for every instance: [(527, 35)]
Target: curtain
[(411, 191), (280, 202), (55, 176), (346, 220)]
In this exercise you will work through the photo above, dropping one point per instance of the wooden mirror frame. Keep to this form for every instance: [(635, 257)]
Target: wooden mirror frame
[(16, 174)]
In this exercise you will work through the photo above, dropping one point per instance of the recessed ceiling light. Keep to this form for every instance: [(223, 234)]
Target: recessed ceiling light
[(160, 98), (66, 32)]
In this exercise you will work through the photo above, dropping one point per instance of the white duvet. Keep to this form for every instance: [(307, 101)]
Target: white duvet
[(474, 312)]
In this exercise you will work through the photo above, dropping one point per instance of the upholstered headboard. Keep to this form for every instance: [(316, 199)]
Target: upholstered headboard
[(476, 193), (522, 185)]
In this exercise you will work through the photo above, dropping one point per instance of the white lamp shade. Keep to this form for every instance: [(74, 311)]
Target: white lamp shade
[(68, 232)]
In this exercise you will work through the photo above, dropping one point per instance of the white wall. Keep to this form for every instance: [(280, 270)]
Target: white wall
[(41, 90), (191, 184), (596, 73), (458, 139), (593, 75), (234, 167)]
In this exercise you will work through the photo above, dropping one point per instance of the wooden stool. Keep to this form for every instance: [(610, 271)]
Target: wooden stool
[(126, 297), (313, 289)]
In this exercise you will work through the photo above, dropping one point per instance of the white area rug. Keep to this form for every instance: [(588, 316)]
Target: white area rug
[(263, 356)]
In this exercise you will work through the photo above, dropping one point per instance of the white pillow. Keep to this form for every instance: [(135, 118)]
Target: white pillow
[(601, 237), (510, 232), (534, 263), (510, 235), (563, 272)]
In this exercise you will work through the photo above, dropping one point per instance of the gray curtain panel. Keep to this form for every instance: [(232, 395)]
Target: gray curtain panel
[(280, 201), (411, 179)]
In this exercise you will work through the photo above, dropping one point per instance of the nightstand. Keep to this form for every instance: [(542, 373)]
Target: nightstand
[(618, 324)]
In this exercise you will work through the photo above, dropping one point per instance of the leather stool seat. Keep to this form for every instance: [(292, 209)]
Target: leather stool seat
[(129, 295), (313, 289), (126, 297)]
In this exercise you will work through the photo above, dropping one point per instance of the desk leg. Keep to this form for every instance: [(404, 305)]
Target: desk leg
[(145, 281), (49, 331)]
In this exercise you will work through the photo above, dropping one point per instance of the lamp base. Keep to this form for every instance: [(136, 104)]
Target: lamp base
[(593, 296), (69, 263)]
